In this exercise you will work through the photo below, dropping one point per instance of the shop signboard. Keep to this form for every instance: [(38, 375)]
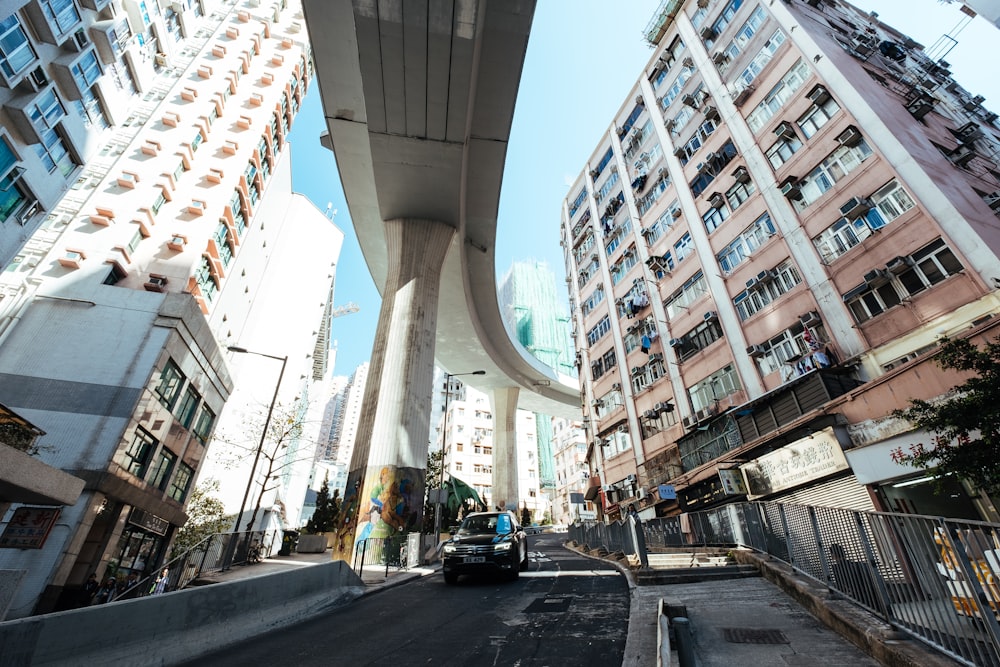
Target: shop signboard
[(29, 527), (667, 492), (149, 522), (813, 457), (732, 481)]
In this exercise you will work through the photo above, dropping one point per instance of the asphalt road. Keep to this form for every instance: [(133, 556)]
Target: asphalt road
[(561, 611)]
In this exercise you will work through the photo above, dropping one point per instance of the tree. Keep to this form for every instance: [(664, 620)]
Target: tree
[(206, 516), (431, 482), (966, 424), (525, 515), (324, 518), (281, 449)]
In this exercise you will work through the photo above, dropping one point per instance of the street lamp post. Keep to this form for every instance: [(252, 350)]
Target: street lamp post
[(444, 446), (260, 446)]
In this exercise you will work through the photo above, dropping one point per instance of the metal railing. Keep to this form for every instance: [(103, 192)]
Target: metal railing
[(933, 578), (206, 557), (374, 552)]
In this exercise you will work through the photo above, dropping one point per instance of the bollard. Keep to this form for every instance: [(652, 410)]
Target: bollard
[(684, 640)]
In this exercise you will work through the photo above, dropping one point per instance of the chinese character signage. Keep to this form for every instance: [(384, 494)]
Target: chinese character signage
[(29, 527), (802, 461), (732, 481), (147, 521), (667, 492)]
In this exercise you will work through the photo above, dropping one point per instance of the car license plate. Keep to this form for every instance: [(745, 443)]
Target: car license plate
[(474, 559)]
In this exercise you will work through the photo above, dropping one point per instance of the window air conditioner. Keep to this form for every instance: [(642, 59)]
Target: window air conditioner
[(792, 188), (711, 112), (711, 316), (818, 95), (656, 356), (664, 406), (642, 493), (785, 130), (616, 387), (690, 100), (689, 422), (716, 200), (877, 277), (636, 370), (720, 57), (676, 342), (810, 319), (741, 175), (639, 100), (756, 350), (630, 479), (752, 283), (898, 265), (650, 414), (849, 137), (855, 207)]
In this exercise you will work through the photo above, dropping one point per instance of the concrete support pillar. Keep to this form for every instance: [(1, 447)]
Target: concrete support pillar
[(385, 485), (505, 487)]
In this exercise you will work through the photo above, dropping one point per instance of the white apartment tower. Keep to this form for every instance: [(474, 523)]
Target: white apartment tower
[(147, 223)]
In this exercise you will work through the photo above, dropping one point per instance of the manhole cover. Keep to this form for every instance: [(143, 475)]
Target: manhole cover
[(547, 604), (754, 636)]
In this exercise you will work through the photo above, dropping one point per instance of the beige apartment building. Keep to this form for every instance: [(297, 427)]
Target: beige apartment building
[(791, 207)]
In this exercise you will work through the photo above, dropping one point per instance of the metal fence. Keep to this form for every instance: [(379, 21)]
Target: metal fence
[(396, 551), (933, 578), (210, 555)]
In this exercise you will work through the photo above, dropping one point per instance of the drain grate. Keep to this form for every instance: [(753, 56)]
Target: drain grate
[(754, 636), (541, 605)]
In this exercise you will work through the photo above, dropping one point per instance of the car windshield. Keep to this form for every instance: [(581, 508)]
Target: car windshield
[(491, 523)]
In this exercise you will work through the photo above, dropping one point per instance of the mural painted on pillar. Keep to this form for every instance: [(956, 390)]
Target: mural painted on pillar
[(388, 507)]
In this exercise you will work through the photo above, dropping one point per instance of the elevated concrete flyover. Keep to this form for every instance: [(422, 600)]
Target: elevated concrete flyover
[(419, 99)]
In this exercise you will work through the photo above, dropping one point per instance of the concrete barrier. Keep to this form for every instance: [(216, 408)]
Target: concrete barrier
[(182, 625)]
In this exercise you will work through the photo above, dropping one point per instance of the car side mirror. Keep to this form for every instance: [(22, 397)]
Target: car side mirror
[(453, 531)]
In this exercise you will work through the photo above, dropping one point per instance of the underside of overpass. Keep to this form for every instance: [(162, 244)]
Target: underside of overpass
[(419, 99)]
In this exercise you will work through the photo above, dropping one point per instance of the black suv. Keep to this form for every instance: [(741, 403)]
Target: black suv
[(486, 542)]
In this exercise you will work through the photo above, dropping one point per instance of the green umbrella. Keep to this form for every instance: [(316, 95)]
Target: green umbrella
[(459, 492)]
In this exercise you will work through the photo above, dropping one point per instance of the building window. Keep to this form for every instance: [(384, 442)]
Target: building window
[(836, 166), (782, 151), (203, 427), (16, 53), (739, 193), (598, 331), (12, 196), (752, 238), (139, 452), (164, 465), (86, 71), (61, 15), (888, 203), (928, 266), (182, 481), (683, 247), (776, 282), (714, 218), (778, 96), (691, 291), (158, 203), (187, 407), (711, 390), (205, 280), (169, 386), (115, 275), (817, 117), (53, 153)]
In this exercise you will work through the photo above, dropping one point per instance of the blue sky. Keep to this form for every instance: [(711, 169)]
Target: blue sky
[(572, 85)]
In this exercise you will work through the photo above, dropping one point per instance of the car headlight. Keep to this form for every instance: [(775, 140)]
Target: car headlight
[(449, 548), (502, 546)]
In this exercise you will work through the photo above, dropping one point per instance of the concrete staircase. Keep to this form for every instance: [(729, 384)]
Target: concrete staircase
[(682, 567)]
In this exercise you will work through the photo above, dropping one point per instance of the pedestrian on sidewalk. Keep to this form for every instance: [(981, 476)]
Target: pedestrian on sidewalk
[(106, 592), (161, 582)]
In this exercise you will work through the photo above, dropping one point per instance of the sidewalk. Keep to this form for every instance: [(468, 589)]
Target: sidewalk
[(374, 578)]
